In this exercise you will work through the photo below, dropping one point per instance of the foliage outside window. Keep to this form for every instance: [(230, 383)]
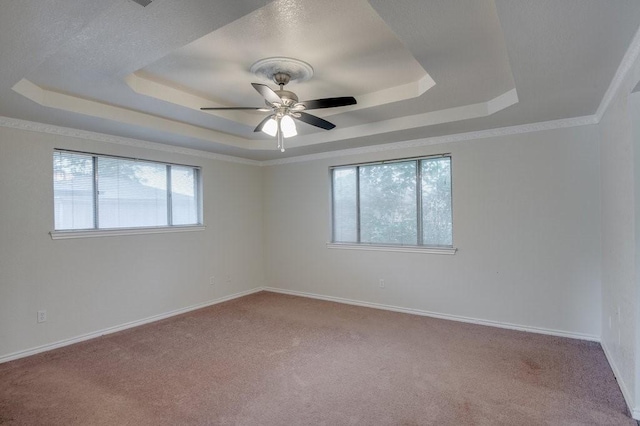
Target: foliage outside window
[(401, 202), (101, 192)]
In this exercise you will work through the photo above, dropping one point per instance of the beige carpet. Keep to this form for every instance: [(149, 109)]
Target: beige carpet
[(270, 359)]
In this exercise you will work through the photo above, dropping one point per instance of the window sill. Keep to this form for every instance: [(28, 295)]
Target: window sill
[(63, 235), (402, 249)]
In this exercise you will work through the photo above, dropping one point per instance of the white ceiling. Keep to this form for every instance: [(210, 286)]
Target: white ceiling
[(118, 68)]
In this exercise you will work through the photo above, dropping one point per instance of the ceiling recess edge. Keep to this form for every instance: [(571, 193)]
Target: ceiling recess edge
[(137, 143)]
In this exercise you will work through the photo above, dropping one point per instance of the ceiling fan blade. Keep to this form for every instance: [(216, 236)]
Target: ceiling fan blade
[(329, 102), (262, 123), (267, 93), (314, 121), (235, 108)]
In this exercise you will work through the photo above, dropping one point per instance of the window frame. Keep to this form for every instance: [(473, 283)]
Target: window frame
[(409, 248), (97, 231)]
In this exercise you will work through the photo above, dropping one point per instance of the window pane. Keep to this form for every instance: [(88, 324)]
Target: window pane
[(73, 190), (388, 203), (436, 202), (131, 193), (345, 226), (184, 190)]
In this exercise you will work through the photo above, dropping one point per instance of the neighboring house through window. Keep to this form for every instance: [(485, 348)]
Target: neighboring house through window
[(103, 192)]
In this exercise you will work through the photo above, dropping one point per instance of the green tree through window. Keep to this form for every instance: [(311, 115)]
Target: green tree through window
[(406, 202)]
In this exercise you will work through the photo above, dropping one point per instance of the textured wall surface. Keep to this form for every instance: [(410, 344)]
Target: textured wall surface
[(620, 251), (526, 218), (90, 284)]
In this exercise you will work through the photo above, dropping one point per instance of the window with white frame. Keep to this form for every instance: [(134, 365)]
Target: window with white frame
[(401, 202), (103, 192)]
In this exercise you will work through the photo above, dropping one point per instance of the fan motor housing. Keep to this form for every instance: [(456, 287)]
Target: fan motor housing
[(287, 96)]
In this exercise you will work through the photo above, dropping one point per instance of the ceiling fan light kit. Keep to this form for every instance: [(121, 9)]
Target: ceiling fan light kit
[(284, 104), (280, 127)]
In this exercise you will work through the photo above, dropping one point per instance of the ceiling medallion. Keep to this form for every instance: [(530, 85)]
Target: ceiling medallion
[(296, 69)]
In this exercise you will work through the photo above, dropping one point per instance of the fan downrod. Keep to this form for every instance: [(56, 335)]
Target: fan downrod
[(288, 98), (281, 79)]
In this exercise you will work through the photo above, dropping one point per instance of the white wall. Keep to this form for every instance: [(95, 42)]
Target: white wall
[(618, 246), (526, 223), (89, 284), (529, 212), (634, 105), (620, 251)]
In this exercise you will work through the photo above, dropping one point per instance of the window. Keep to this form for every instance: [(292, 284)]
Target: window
[(101, 192), (401, 202)]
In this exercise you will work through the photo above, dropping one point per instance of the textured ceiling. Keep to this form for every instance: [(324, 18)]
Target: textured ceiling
[(118, 68), (216, 67)]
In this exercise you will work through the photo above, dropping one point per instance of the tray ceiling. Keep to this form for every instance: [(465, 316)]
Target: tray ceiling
[(417, 69)]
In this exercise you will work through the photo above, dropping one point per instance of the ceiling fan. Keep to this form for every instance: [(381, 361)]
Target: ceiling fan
[(284, 104)]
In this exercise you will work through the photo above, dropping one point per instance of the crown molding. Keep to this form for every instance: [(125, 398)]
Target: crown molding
[(482, 134), (122, 115), (101, 137), (627, 63), (75, 104), (137, 143)]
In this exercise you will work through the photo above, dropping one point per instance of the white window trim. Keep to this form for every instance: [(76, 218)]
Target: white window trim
[(402, 249), (108, 232), (91, 233), (381, 246)]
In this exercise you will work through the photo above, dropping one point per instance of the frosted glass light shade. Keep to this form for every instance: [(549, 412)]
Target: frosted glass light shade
[(271, 127), (288, 127)]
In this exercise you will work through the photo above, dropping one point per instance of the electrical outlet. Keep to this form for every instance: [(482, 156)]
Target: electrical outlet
[(42, 316), (609, 322), (381, 282), (212, 280)]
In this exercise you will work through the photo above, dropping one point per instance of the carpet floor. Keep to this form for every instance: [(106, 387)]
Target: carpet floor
[(272, 359)]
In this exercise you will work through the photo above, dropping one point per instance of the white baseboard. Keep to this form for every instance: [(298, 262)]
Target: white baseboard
[(66, 342), (459, 318), (109, 330), (635, 412)]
